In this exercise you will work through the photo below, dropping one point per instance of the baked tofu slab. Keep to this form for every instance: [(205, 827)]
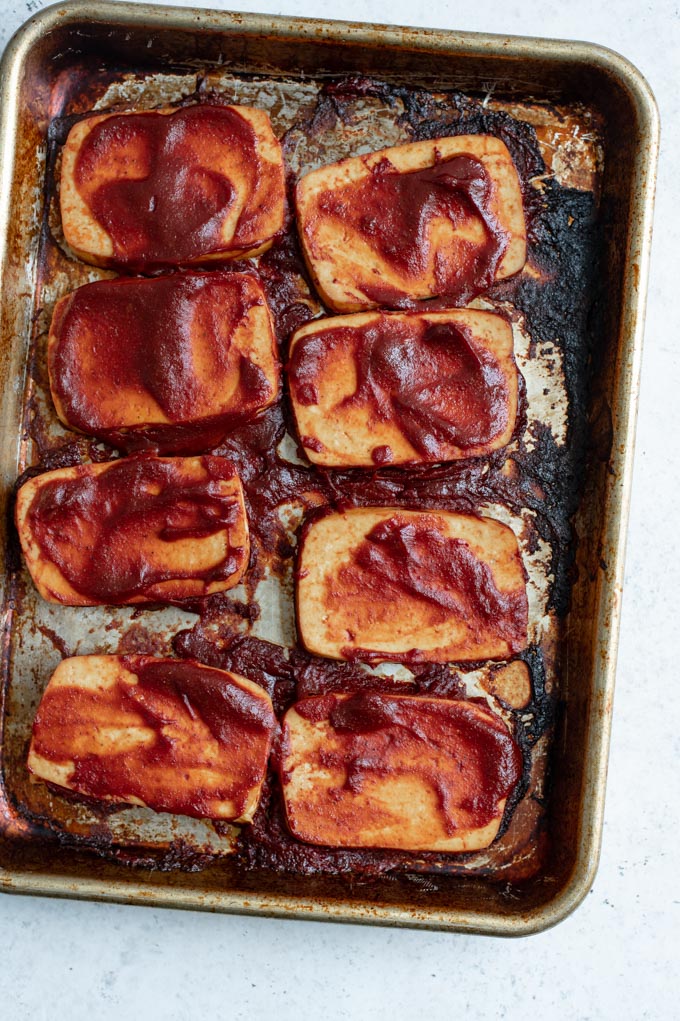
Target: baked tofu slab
[(380, 388), (442, 217), (171, 187), (390, 771), (170, 362), (136, 530), (386, 584), (171, 735)]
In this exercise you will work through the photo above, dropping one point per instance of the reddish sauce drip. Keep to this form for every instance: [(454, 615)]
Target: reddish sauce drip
[(380, 455), (430, 378), (171, 698), (393, 213), (388, 736), (94, 527), (404, 558), (157, 337), (172, 207)]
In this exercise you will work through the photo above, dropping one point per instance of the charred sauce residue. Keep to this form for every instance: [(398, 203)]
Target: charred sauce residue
[(96, 527), (393, 213), (172, 205), (404, 559), (171, 341), (462, 752), (177, 702), (441, 388), (289, 674)]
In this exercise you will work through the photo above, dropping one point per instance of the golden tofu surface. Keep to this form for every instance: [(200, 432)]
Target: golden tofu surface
[(400, 772), (380, 388), (384, 584), (171, 362), (136, 530), (442, 217), (171, 735), (171, 187)]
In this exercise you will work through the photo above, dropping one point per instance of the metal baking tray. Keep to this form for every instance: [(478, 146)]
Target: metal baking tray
[(94, 39)]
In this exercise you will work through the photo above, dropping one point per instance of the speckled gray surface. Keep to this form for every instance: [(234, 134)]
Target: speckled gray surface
[(617, 957)]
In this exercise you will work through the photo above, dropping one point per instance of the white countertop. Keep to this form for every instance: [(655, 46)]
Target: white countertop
[(618, 956)]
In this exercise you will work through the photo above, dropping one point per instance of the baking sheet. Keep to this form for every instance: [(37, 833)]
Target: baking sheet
[(573, 153)]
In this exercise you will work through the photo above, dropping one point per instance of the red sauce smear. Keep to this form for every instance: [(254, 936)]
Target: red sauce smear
[(392, 211), (402, 557), (395, 736), (430, 378), (145, 336), (171, 697), (93, 527), (172, 207)]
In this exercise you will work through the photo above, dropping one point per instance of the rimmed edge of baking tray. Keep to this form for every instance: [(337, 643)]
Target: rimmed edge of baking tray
[(608, 584)]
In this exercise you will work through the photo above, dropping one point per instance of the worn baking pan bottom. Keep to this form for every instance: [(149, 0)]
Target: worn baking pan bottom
[(72, 57)]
